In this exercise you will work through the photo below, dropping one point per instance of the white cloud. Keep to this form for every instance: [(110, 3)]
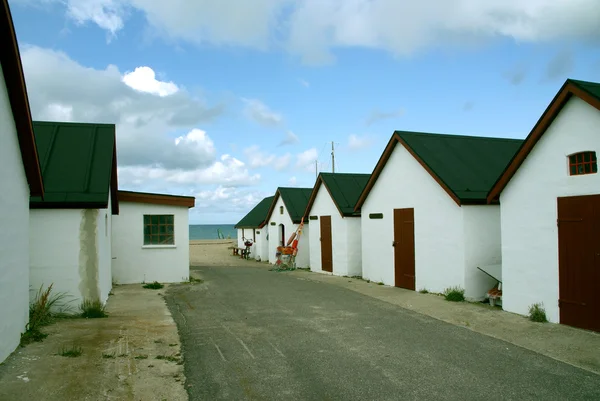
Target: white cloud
[(378, 115), (226, 200), (61, 89), (312, 28), (356, 142), (258, 158), (293, 181), (144, 79), (304, 83), (306, 160), (290, 139), (261, 113)]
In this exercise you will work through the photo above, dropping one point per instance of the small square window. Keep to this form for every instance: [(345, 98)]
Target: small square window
[(583, 163), (159, 229)]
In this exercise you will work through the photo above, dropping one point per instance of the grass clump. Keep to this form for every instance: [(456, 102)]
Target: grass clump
[(45, 307), (423, 291), (140, 357), (108, 356), (169, 358), (92, 309), (537, 313), (454, 294), (71, 352), (193, 280), (154, 286)]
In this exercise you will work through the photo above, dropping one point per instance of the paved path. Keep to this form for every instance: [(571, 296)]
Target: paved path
[(248, 333)]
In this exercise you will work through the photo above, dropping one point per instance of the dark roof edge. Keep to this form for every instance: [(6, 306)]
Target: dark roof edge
[(17, 93)]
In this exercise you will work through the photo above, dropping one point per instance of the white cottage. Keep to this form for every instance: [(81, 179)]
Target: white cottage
[(150, 238), (284, 216), (550, 203), (70, 228), (424, 219), (20, 177), (335, 241), (253, 227)]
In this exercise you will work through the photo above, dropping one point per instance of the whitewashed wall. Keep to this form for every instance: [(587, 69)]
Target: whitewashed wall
[(65, 250), (135, 262), (303, 257), (529, 209), (14, 242), (345, 233), (104, 240), (439, 234), (261, 247), (240, 237), (482, 247)]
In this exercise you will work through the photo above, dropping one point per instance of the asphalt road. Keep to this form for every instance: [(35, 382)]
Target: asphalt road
[(251, 334)]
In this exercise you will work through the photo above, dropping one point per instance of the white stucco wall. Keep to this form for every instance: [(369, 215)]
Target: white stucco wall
[(14, 242), (134, 262), (439, 239), (104, 224), (261, 246), (529, 209), (57, 256), (345, 233), (240, 237), (482, 247), (303, 257)]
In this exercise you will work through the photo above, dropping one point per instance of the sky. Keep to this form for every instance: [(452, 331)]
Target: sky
[(228, 100)]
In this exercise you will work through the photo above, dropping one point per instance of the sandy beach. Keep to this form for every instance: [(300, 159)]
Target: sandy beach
[(212, 252)]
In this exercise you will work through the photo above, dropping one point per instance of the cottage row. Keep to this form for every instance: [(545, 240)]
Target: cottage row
[(483, 214), (64, 221)]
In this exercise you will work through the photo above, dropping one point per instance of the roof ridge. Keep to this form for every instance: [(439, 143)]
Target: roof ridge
[(455, 135)]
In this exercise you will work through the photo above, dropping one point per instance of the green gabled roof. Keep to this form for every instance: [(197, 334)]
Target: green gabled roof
[(345, 189), (468, 165), (593, 88), (78, 163), (295, 200), (257, 217)]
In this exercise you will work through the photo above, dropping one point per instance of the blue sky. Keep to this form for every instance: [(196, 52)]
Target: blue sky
[(245, 98)]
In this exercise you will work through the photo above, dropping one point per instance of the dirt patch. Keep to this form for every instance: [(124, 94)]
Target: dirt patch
[(216, 253), (134, 354)]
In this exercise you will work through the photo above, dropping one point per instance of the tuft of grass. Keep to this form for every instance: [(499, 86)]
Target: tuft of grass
[(454, 294), (356, 277), (173, 345), (380, 283), (195, 280), (140, 357), (537, 313), (154, 286), (92, 309), (45, 307), (158, 341), (423, 291), (169, 358), (71, 352), (108, 356)]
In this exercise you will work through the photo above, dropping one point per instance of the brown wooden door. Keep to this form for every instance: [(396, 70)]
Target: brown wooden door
[(326, 244), (404, 248), (579, 261)]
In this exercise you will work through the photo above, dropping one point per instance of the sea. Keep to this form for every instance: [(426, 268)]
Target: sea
[(211, 231)]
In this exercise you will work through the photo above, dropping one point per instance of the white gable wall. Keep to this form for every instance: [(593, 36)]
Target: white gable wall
[(240, 237), (68, 249), (346, 261), (439, 233), (261, 246), (482, 247), (303, 257), (529, 209), (14, 242), (103, 238), (135, 262)]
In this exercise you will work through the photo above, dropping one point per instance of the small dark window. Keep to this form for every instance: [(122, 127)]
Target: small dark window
[(314, 218), (280, 209), (273, 223), (583, 163), (159, 229), (376, 216)]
